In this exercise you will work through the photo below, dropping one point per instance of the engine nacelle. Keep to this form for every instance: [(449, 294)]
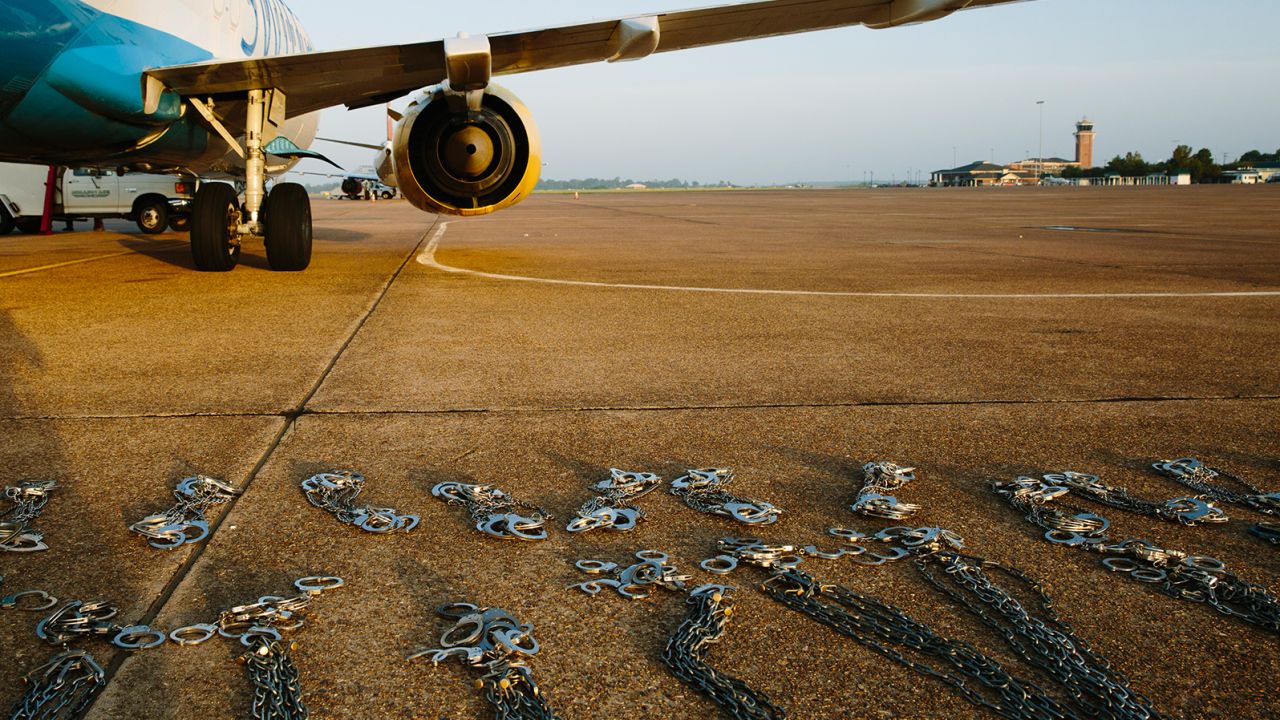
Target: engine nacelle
[(466, 162)]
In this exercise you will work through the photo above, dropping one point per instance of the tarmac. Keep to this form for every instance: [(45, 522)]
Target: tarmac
[(791, 335)]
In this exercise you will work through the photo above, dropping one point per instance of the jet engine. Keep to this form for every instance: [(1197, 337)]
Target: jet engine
[(453, 159)]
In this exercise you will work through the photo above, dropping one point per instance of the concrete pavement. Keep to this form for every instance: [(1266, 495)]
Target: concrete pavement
[(124, 373)]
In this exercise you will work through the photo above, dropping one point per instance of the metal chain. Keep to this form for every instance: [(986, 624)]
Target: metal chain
[(1178, 574), (612, 506), (710, 607), (878, 480), (1203, 479), (890, 632), (277, 692), (29, 498), (61, 688), (703, 490), (634, 581), (185, 522), (493, 639), (335, 492), (494, 511), (1185, 510), (1044, 640)]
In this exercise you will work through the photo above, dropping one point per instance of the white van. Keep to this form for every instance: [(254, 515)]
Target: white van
[(154, 202)]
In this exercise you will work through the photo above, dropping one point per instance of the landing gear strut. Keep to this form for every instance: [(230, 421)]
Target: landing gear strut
[(219, 224)]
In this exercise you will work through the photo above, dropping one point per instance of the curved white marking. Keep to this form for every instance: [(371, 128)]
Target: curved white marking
[(428, 257)]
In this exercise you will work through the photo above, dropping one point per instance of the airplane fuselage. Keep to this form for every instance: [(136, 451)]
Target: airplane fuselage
[(70, 79)]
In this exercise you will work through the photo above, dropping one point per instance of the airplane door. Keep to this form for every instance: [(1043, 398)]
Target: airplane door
[(91, 191)]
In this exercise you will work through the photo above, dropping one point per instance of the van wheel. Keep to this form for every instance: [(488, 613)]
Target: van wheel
[(288, 228), (28, 225), (6, 221), (215, 213), (152, 216), (179, 223)]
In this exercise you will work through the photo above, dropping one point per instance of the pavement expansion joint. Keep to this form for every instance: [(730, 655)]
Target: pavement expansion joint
[(294, 414), (290, 417)]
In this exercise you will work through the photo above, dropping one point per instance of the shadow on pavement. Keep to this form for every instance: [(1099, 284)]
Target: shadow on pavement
[(177, 253)]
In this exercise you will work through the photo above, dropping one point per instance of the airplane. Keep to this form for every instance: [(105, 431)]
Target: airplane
[(232, 89)]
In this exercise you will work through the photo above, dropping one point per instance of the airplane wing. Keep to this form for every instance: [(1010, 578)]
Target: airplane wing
[(373, 75)]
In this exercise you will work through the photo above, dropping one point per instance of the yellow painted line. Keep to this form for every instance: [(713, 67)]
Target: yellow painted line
[(24, 271)]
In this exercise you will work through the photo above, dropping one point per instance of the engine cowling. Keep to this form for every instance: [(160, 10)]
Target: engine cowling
[(466, 162)]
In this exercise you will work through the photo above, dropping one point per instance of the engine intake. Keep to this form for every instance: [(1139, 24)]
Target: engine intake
[(466, 162)]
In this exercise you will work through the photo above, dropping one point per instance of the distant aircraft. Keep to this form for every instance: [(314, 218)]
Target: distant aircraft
[(232, 88)]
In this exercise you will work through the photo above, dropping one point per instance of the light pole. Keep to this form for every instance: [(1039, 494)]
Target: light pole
[(1040, 159), (954, 162)]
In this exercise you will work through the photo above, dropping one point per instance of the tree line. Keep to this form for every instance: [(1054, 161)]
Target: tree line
[(1199, 165)]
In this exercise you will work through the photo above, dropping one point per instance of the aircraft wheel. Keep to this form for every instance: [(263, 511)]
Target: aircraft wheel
[(6, 222), (215, 213), (288, 228), (152, 216)]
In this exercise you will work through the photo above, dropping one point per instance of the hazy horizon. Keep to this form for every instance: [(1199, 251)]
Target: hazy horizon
[(833, 105)]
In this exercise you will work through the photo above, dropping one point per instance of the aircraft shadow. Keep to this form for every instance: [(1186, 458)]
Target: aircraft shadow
[(339, 235), (177, 253)]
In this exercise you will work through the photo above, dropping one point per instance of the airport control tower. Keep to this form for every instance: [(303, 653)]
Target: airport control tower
[(1084, 143)]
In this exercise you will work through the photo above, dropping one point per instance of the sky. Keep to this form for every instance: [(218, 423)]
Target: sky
[(840, 104)]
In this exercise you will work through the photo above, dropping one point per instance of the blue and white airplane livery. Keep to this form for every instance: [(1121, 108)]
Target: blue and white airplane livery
[(232, 89)]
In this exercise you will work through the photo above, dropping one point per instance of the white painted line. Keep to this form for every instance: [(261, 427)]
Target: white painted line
[(428, 257), (24, 271)]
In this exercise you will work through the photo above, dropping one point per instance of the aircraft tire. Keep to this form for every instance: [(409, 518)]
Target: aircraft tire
[(214, 215), (288, 228), (6, 222), (152, 216)]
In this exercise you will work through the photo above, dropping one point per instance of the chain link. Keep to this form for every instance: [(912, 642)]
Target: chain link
[(878, 480), (1178, 574), (494, 640), (60, 689), (703, 490), (1204, 479), (710, 608), (494, 511), (335, 492), (185, 522), (612, 507), (29, 498)]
